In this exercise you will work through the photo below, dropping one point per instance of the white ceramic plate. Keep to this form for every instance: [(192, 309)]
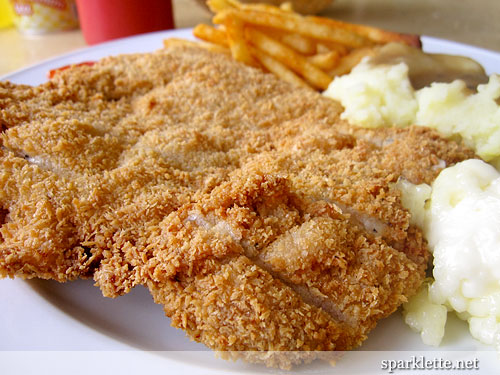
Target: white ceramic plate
[(71, 329)]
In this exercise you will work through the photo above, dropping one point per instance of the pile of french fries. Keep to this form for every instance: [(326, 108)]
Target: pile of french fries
[(304, 50)]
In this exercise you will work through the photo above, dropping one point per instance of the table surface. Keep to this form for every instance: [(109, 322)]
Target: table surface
[(472, 22)]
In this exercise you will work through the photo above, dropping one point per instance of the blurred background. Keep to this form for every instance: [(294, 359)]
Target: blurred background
[(472, 22)]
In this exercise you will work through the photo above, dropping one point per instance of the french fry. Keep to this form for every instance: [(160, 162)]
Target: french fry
[(325, 61), (325, 46), (380, 36), (300, 43), (211, 34), (374, 34), (207, 45), (237, 42), (220, 5), (304, 50), (322, 48), (349, 61), (294, 23), (177, 42), (278, 69), (289, 57), (287, 7), (304, 45), (261, 7)]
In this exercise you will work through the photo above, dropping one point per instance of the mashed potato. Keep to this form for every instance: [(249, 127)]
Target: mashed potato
[(461, 221), (460, 213), (382, 96), (376, 97), (452, 109), (425, 316)]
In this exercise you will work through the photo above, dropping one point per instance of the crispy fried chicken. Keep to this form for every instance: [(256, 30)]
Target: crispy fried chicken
[(258, 218)]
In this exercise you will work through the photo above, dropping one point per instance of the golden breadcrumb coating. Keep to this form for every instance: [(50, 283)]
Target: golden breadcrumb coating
[(258, 218)]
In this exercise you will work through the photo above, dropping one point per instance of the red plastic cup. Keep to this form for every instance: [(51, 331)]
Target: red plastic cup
[(102, 20)]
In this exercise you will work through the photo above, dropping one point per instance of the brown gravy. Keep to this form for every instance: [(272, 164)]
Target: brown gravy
[(425, 68)]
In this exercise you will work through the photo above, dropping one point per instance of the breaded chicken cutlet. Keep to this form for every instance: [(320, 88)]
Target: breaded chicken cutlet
[(254, 215)]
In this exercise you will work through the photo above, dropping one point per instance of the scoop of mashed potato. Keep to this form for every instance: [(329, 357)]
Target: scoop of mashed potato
[(452, 110), (382, 96), (375, 97), (461, 221)]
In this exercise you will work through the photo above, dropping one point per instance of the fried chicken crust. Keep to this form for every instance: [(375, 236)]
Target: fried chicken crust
[(258, 218)]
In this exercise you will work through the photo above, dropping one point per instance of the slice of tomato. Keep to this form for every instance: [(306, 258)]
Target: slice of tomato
[(53, 72)]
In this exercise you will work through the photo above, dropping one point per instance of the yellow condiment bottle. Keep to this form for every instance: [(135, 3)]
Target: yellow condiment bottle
[(6, 15)]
